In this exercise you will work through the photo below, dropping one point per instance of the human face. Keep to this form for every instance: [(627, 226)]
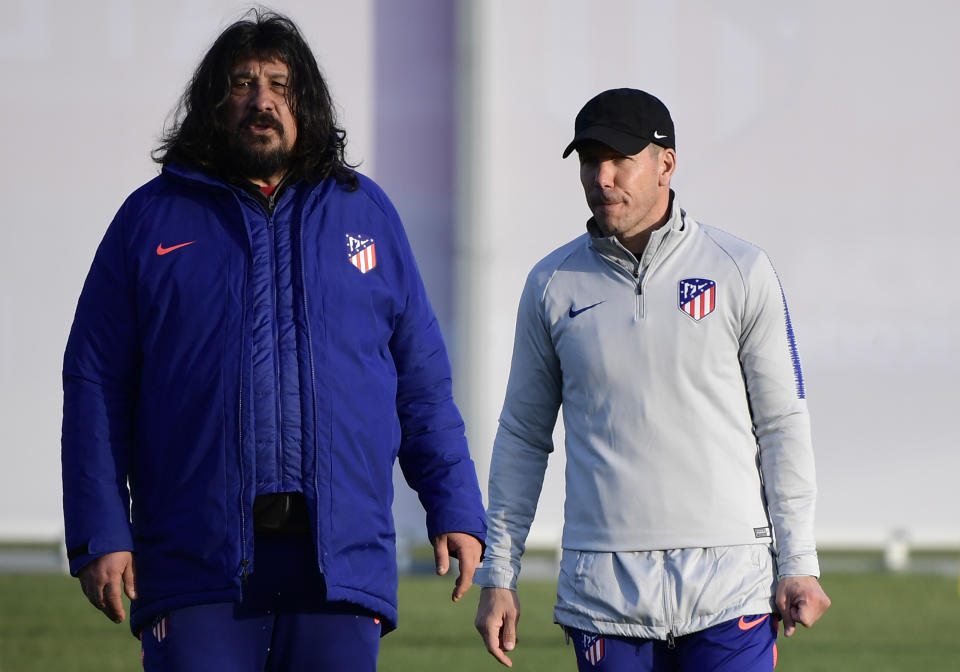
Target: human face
[(259, 119), (628, 195)]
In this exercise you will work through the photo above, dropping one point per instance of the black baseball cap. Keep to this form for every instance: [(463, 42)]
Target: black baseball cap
[(626, 120)]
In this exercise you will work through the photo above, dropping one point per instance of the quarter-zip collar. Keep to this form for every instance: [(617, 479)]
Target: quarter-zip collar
[(613, 250)]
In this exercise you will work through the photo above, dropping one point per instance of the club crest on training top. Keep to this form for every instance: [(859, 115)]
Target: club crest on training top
[(697, 297)]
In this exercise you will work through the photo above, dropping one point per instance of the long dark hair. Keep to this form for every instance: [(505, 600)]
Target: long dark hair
[(197, 136)]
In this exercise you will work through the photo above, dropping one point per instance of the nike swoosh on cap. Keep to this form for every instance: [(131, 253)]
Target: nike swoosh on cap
[(161, 250), (657, 136), (744, 624)]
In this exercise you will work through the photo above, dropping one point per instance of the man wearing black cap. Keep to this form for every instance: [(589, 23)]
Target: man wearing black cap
[(688, 521)]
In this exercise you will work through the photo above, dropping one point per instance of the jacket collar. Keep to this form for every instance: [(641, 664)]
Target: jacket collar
[(613, 250), (201, 178)]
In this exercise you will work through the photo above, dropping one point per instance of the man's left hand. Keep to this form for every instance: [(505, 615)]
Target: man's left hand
[(467, 549), (800, 599)]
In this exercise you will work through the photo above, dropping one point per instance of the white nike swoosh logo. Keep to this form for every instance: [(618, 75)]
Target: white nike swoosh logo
[(657, 136)]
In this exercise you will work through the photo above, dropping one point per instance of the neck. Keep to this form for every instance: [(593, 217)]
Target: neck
[(637, 241)]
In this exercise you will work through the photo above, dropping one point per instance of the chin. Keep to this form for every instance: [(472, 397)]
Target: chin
[(604, 227)]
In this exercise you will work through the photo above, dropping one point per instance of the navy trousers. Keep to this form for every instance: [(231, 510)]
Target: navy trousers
[(746, 644), (283, 622)]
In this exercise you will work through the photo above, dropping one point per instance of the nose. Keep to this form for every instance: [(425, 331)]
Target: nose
[(604, 173), (262, 98)]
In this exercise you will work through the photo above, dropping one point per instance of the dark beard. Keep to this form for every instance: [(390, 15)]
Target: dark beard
[(253, 157)]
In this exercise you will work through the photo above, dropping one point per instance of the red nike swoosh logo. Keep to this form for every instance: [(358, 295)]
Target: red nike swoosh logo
[(744, 624), (161, 250)]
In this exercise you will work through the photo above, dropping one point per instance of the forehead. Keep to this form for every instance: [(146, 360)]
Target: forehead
[(251, 66)]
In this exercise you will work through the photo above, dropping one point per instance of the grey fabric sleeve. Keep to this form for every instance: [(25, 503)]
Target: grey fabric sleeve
[(523, 442), (775, 387)]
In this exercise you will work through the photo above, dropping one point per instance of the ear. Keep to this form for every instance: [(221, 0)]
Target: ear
[(668, 164)]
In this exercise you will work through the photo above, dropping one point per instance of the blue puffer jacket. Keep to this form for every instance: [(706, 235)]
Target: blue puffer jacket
[(158, 454)]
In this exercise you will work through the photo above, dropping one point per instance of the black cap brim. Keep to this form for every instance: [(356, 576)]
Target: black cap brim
[(621, 142)]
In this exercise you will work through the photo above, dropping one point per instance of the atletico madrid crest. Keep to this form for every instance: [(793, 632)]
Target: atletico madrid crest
[(698, 297), (593, 648), (361, 252), (159, 628)]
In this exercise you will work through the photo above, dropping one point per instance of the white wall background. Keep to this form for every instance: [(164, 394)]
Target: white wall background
[(89, 86), (824, 131)]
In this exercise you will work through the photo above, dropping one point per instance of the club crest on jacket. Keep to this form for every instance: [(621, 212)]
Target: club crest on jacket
[(361, 252), (697, 297)]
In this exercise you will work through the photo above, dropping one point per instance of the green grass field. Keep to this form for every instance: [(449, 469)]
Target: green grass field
[(878, 622)]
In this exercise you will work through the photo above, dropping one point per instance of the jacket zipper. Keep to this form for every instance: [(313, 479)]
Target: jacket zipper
[(639, 313), (244, 562), (651, 266), (313, 392), (635, 279), (272, 242), (640, 310), (242, 569), (667, 614)]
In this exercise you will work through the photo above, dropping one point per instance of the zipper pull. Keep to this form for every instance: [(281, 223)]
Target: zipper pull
[(671, 642), (242, 570)]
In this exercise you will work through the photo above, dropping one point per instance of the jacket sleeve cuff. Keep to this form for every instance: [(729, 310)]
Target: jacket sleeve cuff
[(495, 576), (81, 555), (799, 565)]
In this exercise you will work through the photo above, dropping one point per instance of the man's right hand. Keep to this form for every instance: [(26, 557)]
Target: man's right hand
[(497, 615), (103, 579)]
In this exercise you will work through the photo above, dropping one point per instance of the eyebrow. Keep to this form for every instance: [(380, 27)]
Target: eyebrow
[(250, 72)]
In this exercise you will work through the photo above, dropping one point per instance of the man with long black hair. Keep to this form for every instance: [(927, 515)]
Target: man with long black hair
[(252, 350)]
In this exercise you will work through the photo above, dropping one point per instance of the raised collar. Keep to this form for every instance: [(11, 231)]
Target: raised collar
[(613, 250)]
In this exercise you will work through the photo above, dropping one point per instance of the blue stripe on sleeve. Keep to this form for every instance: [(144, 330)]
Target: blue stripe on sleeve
[(792, 342)]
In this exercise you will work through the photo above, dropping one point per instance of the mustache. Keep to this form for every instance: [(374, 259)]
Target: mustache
[(262, 119)]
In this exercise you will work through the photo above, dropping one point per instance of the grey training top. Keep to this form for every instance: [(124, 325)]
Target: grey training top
[(683, 403)]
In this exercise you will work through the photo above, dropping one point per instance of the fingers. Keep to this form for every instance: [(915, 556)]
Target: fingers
[(103, 591), (508, 634), (130, 581), (467, 549), (469, 559), (92, 591), (113, 604), (785, 608), (441, 556), (788, 615), (800, 600), (104, 581), (464, 581), (811, 607), (494, 641), (497, 615)]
